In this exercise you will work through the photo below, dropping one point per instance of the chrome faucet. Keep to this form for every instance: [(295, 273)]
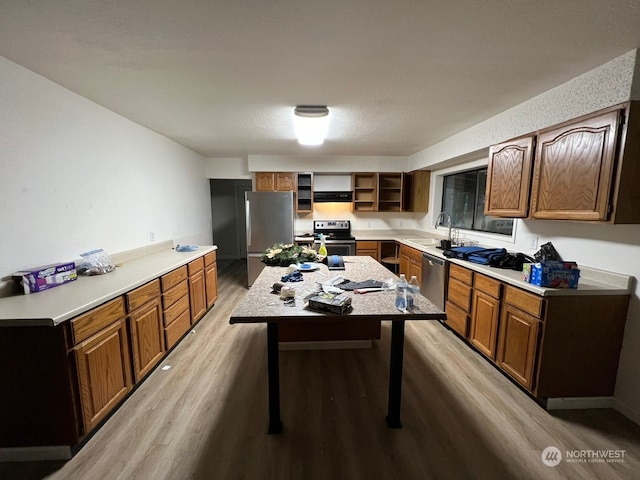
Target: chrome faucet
[(441, 216)]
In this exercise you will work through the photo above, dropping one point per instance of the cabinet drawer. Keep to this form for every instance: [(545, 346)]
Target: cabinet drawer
[(460, 294), (210, 258), (173, 278), (463, 274), (85, 325), (525, 301), (174, 311), (174, 294), (196, 265), (367, 245), (457, 319), (173, 332), (141, 295), (487, 285)]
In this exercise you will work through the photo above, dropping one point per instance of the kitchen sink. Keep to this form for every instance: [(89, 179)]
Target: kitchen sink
[(425, 242)]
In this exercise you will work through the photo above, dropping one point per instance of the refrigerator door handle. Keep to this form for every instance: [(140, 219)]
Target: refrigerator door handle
[(248, 225)]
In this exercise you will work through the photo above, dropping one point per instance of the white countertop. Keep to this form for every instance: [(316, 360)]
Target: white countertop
[(592, 281), (54, 306)]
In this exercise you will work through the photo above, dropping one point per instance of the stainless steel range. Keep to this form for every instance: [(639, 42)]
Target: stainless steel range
[(339, 240)]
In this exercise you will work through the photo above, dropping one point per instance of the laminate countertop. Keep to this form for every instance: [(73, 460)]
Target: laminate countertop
[(593, 281), (54, 306)]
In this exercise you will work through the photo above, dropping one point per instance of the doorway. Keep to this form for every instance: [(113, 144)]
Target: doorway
[(228, 217)]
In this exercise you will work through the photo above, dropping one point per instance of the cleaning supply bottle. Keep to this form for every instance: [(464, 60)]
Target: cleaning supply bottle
[(412, 290), (323, 247), (401, 293)]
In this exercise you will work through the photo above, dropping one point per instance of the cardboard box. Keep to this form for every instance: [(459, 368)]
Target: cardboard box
[(330, 302), (46, 277), (553, 274)]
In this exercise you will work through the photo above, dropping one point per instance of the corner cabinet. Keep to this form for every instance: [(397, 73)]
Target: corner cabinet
[(556, 346), (587, 169), (509, 178)]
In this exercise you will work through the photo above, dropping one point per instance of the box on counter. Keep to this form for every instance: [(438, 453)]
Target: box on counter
[(45, 277), (552, 274), (330, 302)]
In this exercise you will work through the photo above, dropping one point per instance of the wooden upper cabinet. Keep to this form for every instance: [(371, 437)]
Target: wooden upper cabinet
[(573, 169), (285, 181), (265, 182), (275, 182), (509, 178), (415, 191)]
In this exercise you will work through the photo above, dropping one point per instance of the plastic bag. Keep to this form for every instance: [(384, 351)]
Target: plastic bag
[(547, 252), (95, 262)]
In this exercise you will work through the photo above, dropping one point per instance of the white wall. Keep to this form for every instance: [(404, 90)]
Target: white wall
[(318, 163), (75, 176), (227, 168), (608, 247)]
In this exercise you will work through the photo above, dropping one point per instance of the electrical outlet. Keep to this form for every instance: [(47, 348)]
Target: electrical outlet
[(368, 224), (533, 243), (152, 237), (400, 224)]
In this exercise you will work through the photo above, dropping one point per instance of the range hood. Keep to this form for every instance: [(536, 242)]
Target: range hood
[(332, 188), (333, 196)]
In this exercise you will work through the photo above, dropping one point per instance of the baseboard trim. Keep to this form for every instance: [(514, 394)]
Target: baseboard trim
[(327, 345), (31, 454), (571, 403), (631, 414)]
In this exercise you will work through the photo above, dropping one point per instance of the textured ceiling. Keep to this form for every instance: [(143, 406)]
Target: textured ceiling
[(222, 77)]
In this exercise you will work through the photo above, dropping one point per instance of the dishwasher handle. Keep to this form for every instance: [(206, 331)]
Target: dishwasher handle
[(432, 259)]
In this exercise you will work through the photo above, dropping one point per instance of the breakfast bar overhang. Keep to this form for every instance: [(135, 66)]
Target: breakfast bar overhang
[(262, 306)]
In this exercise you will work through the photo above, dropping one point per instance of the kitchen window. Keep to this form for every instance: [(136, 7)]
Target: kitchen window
[(464, 196)]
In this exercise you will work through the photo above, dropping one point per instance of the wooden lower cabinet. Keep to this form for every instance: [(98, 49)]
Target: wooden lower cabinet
[(484, 323), (104, 375), (82, 369), (197, 289), (147, 337), (176, 308), (553, 346), (211, 278), (369, 248), (411, 262), (518, 344)]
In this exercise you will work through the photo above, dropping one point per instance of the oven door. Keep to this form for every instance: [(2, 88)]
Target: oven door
[(339, 247)]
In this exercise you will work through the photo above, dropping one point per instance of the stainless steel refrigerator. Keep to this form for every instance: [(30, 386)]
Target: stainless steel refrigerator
[(269, 221)]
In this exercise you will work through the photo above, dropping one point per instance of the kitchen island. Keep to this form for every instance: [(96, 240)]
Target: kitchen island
[(262, 306)]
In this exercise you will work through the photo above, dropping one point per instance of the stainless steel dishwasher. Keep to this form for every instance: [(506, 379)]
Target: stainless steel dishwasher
[(434, 279)]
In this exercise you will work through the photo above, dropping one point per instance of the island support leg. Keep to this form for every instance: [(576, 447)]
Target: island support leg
[(273, 374), (395, 374)]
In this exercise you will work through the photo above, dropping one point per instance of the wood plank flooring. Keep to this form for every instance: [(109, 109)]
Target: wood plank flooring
[(206, 417)]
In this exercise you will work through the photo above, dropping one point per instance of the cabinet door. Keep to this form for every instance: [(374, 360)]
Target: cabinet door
[(457, 319), (285, 181), (211, 282), (104, 376), (573, 169), (415, 269), (508, 178), (484, 323), (147, 337), (197, 296), (518, 345), (265, 182)]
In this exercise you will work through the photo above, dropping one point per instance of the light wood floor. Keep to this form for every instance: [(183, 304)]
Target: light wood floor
[(206, 417)]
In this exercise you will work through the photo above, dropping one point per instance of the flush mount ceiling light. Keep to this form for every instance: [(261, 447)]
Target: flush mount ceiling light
[(311, 124)]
